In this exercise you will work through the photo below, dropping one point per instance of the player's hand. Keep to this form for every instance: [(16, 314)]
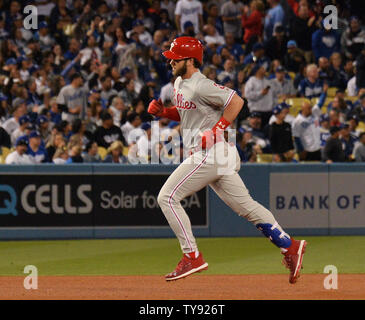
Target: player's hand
[(155, 107)]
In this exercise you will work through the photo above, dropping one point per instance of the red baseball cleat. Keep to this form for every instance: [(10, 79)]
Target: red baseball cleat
[(186, 267), (293, 259)]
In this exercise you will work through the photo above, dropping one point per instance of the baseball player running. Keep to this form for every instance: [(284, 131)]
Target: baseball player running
[(200, 103)]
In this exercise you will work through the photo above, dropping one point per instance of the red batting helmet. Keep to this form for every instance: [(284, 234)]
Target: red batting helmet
[(185, 47)]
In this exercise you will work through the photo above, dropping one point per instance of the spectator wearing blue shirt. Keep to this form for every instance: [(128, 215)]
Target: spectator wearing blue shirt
[(324, 122), (43, 128), (245, 145), (33, 98), (12, 14), (274, 17), (337, 75), (73, 49), (359, 108), (233, 48), (325, 42), (54, 111), (347, 140), (353, 121), (311, 86), (35, 149), (257, 56)]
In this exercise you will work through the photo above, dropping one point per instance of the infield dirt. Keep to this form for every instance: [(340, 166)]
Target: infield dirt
[(207, 287)]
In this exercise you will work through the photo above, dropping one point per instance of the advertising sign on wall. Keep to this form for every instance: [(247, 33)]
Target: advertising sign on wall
[(76, 200), (318, 200)]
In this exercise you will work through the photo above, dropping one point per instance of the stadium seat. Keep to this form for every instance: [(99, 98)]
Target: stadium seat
[(102, 152), (327, 101), (264, 158), (331, 92), (352, 99), (361, 126), (292, 75), (4, 153), (296, 104), (125, 151)]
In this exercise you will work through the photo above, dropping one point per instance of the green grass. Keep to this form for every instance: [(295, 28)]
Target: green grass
[(159, 256)]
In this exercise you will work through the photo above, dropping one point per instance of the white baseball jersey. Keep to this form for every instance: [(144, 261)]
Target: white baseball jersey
[(308, 130), (200, 103)]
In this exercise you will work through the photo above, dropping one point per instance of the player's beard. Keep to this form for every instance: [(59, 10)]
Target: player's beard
[(182, 71)]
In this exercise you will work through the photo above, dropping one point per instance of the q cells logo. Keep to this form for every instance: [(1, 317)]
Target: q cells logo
[(45, 199), (9, 204)]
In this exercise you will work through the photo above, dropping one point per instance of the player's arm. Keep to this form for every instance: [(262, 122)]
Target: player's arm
[(157, 109), (233, 108), (230, 113)]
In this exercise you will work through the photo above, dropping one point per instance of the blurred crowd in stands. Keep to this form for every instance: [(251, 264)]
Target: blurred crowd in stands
[(77, 88)]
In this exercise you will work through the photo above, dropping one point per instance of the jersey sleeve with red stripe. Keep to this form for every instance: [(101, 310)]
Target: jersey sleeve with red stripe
[(214, 94)]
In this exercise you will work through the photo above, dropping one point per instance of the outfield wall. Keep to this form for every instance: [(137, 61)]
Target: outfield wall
[(117, 201)]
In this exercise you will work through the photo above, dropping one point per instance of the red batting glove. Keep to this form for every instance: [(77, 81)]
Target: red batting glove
[(210, 137), (155, 107)]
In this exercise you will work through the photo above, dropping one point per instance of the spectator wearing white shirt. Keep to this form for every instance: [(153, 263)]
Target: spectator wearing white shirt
[(133, 123), (118, 109), (61, 156), (24, 122), (92, 51), (143, 35), (212, 37), (18, 156), (259, 95), (189, 10), (19, 109), (351, 87), (167, 91), (144, 143), (307, 131), (359, 149)]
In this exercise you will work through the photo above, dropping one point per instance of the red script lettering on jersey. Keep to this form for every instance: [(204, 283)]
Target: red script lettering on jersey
[(181, 103)]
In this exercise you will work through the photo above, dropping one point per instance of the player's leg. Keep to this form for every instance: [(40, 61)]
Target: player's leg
[(232, 190), (189, 177)]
